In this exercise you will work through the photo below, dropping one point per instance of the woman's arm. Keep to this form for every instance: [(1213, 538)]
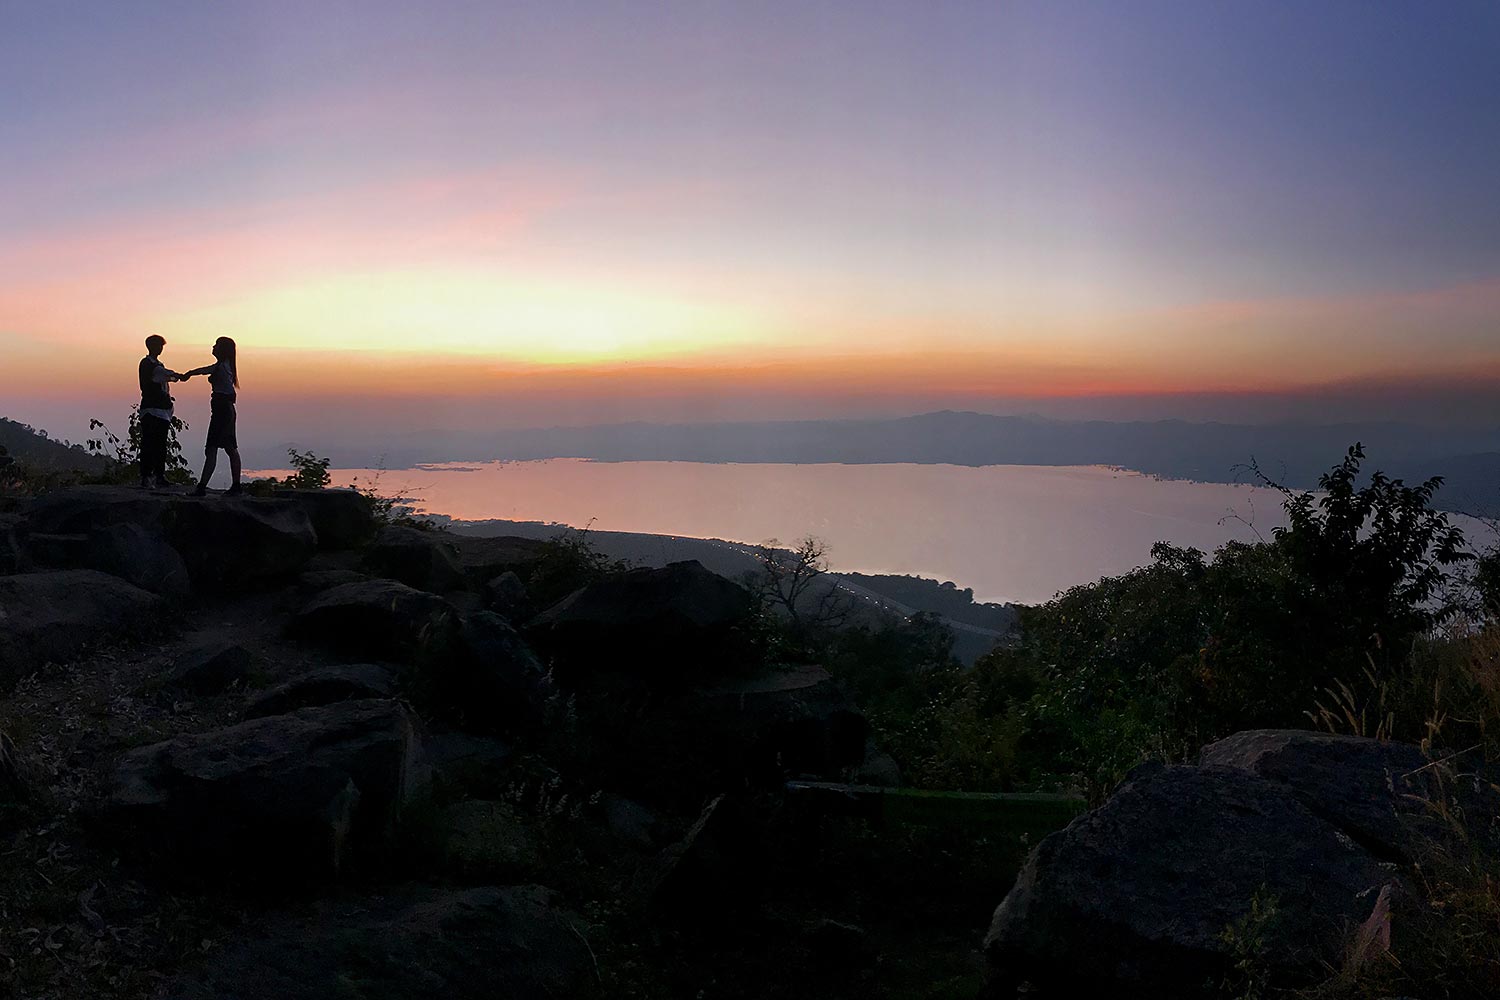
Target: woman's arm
[(207, 369)]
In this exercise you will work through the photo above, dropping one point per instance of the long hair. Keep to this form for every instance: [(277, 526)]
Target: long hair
[(224, 351)]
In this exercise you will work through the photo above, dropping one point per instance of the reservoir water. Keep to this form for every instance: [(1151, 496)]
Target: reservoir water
[(1013, 533)]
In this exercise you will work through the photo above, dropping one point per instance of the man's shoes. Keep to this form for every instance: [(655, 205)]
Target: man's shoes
[(234, 491), (200, 491), (162, 484)]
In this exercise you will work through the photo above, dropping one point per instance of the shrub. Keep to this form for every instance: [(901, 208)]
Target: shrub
[(309, 472), (1187, 649)]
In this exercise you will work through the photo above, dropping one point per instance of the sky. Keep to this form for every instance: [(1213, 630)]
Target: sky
[(455, 214)]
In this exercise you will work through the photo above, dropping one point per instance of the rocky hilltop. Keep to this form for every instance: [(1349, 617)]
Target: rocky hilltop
[(275, 747)]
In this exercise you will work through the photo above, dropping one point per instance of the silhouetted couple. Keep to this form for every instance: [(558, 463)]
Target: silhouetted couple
[(156, 413)]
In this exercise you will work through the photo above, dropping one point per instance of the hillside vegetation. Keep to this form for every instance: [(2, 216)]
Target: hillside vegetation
[(25, 444)]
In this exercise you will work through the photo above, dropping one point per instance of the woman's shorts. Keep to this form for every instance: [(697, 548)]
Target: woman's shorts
[(221, 424)]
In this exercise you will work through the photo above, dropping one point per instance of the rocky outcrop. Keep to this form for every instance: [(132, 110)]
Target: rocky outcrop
[(377, 618), (281, 798), (420, 559), (10, 545), (224, 543), (1387, 796), (342, 519), (714, 861), (315, 580), (134, 553), (464, 765), (1141, 891), (51, 617), (483, 677), (787, 720), (211, 667), (485, 557), (17, 784), (423, 944), (651, 624), (324, 686), (505, 592)]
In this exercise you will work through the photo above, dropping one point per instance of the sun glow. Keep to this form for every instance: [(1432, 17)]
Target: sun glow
[(504, 319)]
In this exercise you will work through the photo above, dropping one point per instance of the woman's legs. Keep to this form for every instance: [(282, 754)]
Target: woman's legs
[(210, 459), (234, 464)]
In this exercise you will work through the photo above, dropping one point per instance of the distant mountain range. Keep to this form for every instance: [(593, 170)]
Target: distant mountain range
[(1294, 454)]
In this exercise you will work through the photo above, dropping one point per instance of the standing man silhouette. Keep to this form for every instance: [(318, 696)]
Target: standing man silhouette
[(156, 413)]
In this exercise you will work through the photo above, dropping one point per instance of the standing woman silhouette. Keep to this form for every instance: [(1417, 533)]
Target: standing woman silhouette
[(225, 382)]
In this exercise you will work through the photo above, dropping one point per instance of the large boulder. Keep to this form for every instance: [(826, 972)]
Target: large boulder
[(10, 544), (787, 720), (233, 543), (485, 557), (377, 618), (418, 944), (18, 784), (651, 624), (136, 554), (342, 519), (211, 667), (52, 617), (225, 543), (672, 744), (324, 686), (282, 798), (1387, 796), (1140, 892), (421, 559), (483, 676)]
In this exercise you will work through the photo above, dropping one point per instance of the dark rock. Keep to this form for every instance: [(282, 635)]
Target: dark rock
[(17, 783), (487, 678), (324, 686), (424, 944), (466, 766), (629, 821), (377, 618), (484, 558), (671, 743), (878, 769), (226, 543), (10, 544), (211, 668), (317, 580), (466, 601), (134, 553), (792, 720), (833, 942), (651, 623), (421, 559), (235, 543), (714, 861), (1140, 891), (342, 518), (505, 592), (51, 617), (1379, 793), (281, 798)]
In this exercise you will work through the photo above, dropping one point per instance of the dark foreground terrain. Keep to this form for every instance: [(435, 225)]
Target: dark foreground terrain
[(276, 747)]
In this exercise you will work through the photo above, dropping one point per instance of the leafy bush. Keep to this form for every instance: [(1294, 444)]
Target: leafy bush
[(126, 452), (1330, 612), (568, 561), (309, 472)]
